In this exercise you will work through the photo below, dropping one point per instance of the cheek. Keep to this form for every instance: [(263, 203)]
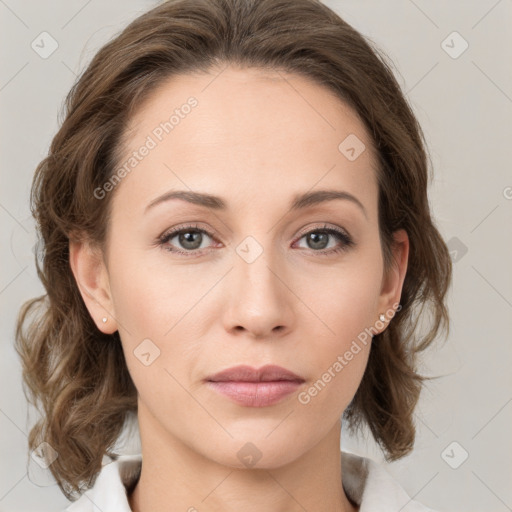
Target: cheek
[(344, 305), (156, 307), (147, 294), (342, 301), (338, 375), (338, 364)]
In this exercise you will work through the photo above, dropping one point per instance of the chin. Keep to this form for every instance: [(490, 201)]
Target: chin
[(258, 451)]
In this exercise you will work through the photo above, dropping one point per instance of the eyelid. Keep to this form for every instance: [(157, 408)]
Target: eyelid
[(192, 225), (326, 226), (199, 226)]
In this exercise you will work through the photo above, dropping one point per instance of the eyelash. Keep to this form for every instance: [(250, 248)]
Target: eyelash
[(341, 235), (338, 233)]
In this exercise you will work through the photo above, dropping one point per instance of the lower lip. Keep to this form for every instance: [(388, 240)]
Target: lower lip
[(255, 394)]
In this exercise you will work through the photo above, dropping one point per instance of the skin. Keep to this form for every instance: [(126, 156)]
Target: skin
[(256, 139)]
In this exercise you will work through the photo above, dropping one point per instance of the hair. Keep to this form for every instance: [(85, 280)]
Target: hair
[(75, 374)]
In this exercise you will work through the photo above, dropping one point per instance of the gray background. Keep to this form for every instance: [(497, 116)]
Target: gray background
[(464, 103)]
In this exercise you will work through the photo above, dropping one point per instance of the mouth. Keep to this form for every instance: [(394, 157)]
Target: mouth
[(253, 387)]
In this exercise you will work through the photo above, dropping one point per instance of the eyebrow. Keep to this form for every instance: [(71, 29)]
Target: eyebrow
[(300, 201)]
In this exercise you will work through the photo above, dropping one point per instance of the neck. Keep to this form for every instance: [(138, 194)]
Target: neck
[(174, 475)]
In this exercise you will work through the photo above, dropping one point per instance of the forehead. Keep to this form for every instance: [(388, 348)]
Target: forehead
[(249, 131)]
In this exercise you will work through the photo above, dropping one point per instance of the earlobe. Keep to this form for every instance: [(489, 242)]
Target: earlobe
[(393, 280), (91, 276)]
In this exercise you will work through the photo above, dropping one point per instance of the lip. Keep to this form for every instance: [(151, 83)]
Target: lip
[(254, 387), (244, 373)]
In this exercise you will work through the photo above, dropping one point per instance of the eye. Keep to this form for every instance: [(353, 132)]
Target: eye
[(189, 237), (318, 238)]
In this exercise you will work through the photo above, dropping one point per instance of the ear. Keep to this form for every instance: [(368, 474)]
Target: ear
[(393, 279), (91, 276)]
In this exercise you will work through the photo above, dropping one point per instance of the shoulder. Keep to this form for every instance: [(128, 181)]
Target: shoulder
[(370, 485), (109, 492)]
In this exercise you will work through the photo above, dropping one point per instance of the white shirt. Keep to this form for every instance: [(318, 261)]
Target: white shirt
[(366, 483)]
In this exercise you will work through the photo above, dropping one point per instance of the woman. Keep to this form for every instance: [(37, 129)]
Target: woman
[(237, 248)]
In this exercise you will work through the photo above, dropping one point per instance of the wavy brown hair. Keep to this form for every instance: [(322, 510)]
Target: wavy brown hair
[(76, 375)]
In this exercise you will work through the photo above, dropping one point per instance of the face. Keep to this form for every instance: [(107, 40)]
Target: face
[(196, 288)]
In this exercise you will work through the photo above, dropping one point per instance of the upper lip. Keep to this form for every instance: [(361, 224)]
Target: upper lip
[(244, 373)]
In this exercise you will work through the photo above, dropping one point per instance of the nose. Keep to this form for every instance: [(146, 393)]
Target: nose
[(260, 301)]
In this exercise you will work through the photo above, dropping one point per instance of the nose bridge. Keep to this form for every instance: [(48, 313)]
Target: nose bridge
[(256, 250), (255, 262), (261, 300)]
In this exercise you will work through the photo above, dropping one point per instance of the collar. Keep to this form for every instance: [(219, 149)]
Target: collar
[(366, 483)]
